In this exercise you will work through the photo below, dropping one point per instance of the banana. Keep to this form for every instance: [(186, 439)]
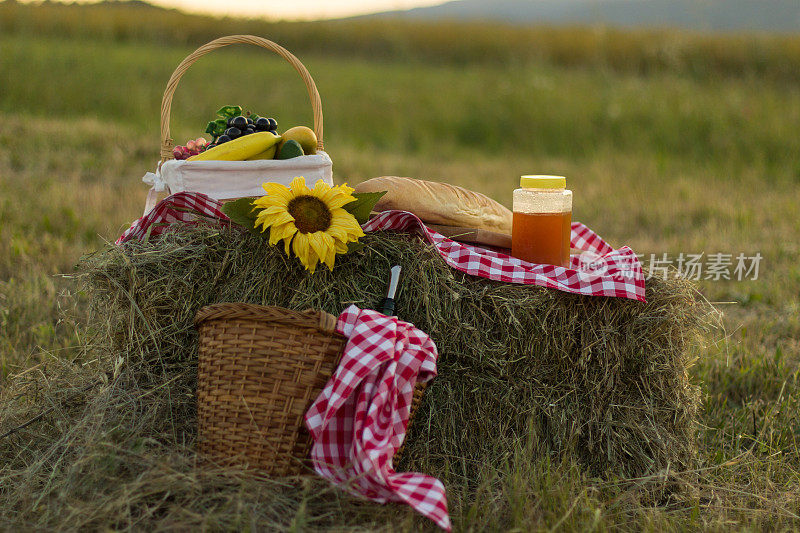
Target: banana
[(269, 153), (239, 149)]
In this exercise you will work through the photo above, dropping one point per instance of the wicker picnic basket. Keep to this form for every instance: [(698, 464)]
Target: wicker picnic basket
[(259, 370), (229, 180)]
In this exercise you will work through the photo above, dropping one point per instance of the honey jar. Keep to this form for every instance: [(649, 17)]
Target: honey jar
[(542, 220)]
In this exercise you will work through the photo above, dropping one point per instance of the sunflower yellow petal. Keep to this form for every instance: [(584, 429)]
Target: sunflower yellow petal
[(340, 200), (300, 245), (287, 230), (347, 222), (274, 231), (328, 241), (325, 192), (315, 242), (265, 225), (312, 261), (337, 233), (330, 256), (320, 243), (261, 221), (298, 187), (330, 261), (277, 192), (272, 209), (345, 189), (321, 188), (303, 251), (269, 201), (341, 247), (334, 197), (284, 231), (276, 219)]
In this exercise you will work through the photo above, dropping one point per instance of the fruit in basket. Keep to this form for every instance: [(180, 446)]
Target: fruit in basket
[(238, 122), (304, 136), (269, 153), (289, 149), (238, 149), (233, 124), (193, 147)]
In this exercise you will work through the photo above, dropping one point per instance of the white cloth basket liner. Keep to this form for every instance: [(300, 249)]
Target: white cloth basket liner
[(225, 180)]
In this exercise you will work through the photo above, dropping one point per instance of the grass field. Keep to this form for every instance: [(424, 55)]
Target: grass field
[(666, 160)]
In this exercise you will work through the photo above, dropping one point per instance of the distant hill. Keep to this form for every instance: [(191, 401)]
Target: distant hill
[(717, 15)]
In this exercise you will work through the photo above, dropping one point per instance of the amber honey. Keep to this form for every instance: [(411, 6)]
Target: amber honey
[(542, 237)]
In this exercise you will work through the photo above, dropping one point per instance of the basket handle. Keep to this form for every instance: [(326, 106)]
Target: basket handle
[(172, 84)]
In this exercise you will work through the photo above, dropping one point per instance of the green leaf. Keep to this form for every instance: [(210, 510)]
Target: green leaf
[(241, 212), (354, 246), (229, 111), (221, 126), (362, 206), (217, 127)]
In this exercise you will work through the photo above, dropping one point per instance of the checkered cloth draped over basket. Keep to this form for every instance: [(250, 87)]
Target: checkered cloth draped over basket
[(359, 420), (599, 271)]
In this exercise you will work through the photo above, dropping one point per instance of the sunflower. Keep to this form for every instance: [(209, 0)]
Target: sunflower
[(309, 221)]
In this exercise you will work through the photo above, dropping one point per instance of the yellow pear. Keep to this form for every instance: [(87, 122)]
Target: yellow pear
[(304, 136)]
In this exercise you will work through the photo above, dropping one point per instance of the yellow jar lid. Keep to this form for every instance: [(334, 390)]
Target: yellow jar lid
[(543, 182)]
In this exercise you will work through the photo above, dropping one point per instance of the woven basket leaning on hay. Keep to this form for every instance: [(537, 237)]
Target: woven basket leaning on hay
[(230, 180), (259, 370)]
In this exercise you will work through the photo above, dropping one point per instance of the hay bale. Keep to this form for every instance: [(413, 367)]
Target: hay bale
[(521, 368)]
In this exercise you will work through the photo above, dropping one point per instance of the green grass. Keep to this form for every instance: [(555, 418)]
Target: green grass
[(665, 161), (535, 110)]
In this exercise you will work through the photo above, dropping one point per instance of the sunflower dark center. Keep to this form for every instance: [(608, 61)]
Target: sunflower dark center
[(310, 214)]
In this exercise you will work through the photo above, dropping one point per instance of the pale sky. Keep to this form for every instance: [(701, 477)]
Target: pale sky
[(291, 9)]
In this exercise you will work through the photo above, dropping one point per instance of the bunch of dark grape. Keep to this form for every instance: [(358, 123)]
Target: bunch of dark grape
[(242, 125)]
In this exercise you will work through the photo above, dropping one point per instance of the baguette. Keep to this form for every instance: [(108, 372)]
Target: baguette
[(439, 203)]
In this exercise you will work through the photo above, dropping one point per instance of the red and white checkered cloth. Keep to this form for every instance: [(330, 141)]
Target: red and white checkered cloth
[(188, 207), (359, 420), (599, 270)]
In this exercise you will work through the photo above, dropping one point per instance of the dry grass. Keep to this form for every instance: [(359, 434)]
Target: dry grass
[(527, 375)]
